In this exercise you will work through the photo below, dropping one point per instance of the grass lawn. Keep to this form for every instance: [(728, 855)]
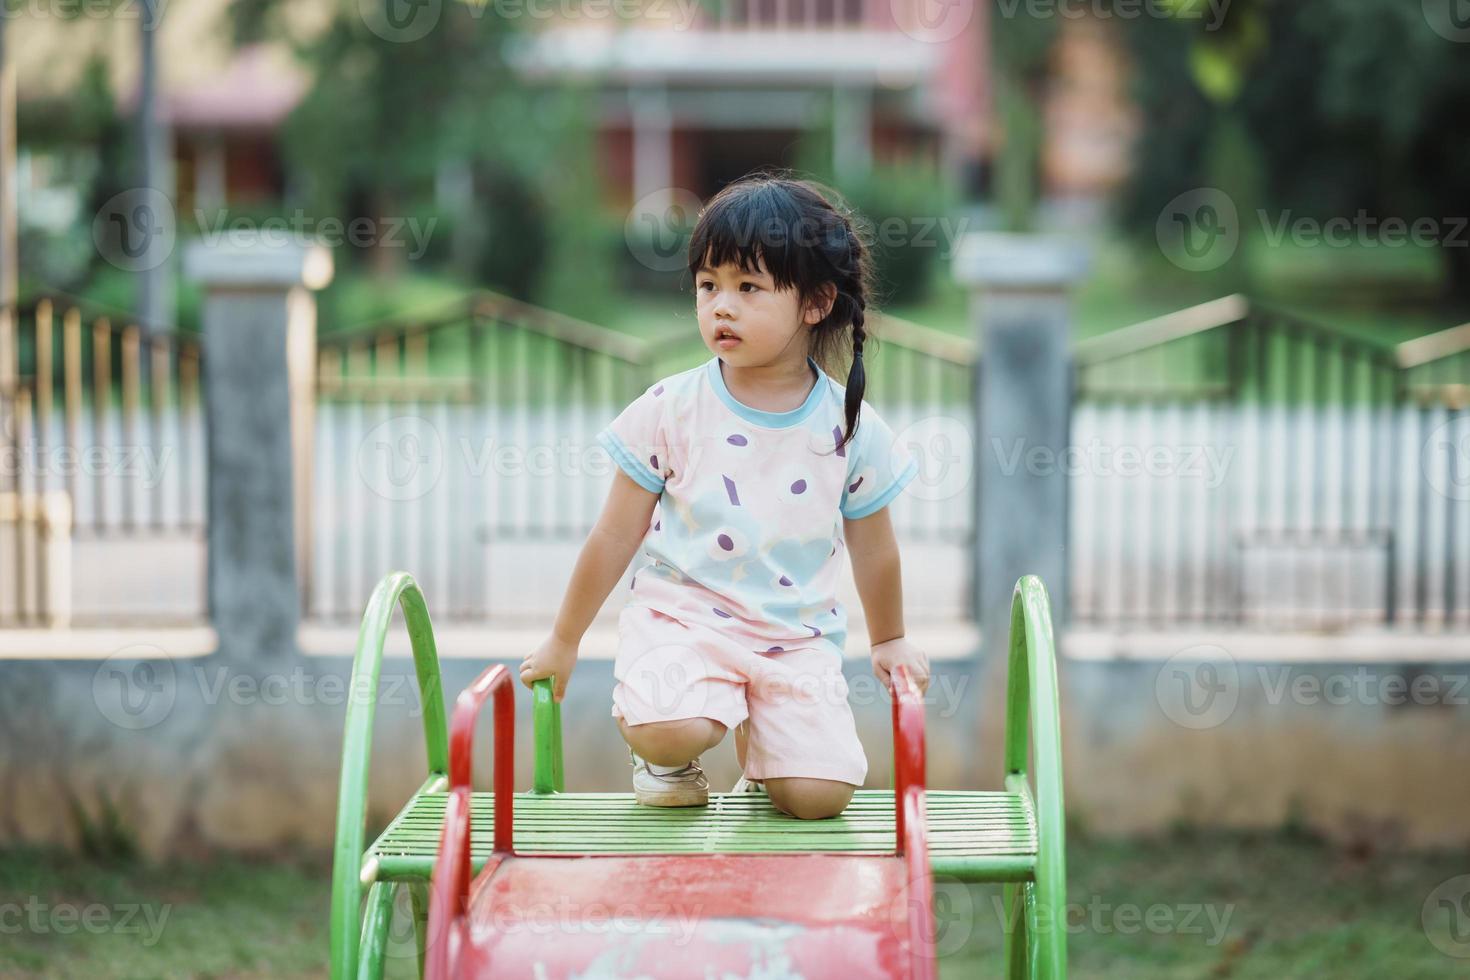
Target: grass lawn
[(1189, 905)]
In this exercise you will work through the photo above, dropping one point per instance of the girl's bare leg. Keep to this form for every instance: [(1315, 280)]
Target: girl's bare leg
[(672, 743)]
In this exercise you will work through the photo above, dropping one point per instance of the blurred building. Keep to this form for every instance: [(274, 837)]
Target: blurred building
[(690, 95)]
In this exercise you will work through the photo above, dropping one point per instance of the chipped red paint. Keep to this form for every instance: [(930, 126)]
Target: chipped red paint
[(674, 916)]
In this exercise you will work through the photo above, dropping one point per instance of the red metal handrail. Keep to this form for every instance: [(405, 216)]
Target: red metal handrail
[(910, 820), (450, 889)]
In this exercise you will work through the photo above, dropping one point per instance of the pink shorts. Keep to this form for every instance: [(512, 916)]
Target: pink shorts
[(800, 723)]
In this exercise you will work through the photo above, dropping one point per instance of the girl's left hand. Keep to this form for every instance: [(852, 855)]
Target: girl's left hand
[(901, 650)]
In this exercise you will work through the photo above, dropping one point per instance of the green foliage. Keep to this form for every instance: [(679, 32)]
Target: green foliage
[(1337, 107), (902, 206), (1021, 47), (107, 836), (384, 121)]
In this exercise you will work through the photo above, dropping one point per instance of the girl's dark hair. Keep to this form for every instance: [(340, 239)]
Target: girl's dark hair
[(805, 235)]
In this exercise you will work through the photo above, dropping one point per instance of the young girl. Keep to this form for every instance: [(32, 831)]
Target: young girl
[(733, 476)]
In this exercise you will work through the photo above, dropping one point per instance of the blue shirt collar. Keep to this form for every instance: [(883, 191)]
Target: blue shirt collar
[(769, 420)]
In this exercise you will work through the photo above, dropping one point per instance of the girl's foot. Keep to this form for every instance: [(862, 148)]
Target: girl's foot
[(747, 785), (655, 785)]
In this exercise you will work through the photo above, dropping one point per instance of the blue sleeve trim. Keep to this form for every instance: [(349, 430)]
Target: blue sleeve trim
[(629, 463), (882, 500)]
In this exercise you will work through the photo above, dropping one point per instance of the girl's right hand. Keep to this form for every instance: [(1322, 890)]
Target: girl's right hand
[(554, 658)]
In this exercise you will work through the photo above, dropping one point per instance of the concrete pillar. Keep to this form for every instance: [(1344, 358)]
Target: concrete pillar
[(1019, 304), (259, 351), (852, 131), (653, 146)]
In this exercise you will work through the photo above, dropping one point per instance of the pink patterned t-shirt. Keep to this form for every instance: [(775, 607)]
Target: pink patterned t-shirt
[(746, 535)]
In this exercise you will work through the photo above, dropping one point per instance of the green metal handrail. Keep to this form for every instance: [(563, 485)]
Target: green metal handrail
[(349, 877), (547, 776), (1033, 727)]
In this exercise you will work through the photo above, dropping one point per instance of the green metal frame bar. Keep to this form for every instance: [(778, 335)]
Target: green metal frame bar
[(547, 776), (349, 877), (1036, 945)]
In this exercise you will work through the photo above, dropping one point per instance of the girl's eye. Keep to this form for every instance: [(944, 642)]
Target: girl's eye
[(750, 284)]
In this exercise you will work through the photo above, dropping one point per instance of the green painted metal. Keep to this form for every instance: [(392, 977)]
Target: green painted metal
[(546, 720), (1033, 728), (418, 895), (374, 939), (1016, 836), (973, 836), (395, 590)]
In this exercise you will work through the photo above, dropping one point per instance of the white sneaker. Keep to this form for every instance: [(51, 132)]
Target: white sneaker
[(747, 785), (685, 786)]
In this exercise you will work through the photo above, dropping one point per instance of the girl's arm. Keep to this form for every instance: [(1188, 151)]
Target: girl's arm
[(600, 565), (876, 570)]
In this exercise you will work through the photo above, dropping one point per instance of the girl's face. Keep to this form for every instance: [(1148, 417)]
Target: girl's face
[(745, 320)]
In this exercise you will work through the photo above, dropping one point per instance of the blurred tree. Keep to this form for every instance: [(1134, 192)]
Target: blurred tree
[(1020, 49), (1346, 106), (393, 108)]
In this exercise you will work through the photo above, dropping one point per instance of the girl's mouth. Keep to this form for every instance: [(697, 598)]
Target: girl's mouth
[(725, 340)]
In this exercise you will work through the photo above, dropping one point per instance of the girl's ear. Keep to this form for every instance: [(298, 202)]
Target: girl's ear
[(820, 306)]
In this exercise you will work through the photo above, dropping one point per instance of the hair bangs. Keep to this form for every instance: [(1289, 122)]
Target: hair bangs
[(749, 224)]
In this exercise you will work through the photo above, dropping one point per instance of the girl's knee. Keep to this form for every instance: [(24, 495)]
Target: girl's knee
[(671, 743), (808, 798)]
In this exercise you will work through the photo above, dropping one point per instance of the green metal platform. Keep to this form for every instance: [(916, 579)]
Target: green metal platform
[(973, 836), (1016, 836)]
